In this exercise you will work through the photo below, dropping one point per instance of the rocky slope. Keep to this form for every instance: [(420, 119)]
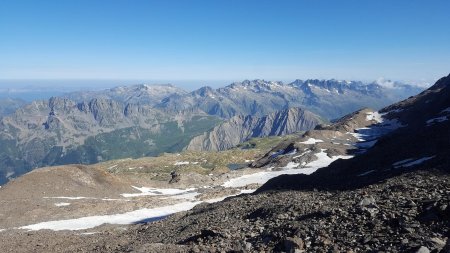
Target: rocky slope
[(241, 128), (387, 198), (328, 98), (62, 131), (9, 105), (422, 136)]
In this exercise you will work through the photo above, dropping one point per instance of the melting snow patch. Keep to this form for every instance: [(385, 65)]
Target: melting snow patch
[(324, 160), (411, 162), (374, 116), (145, 191), (302, 154), (224, 197), (62, 204), (402, 162), (71, 198), (291, 165), (366, 173), (446, 110), (436, 120), (366, 144), (181, 163), (124, 218), (311, 141), (262, 177)]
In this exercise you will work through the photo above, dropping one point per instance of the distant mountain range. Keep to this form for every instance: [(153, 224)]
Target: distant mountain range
[(62, 131), (241, 128), (146, 120), (328, 98)]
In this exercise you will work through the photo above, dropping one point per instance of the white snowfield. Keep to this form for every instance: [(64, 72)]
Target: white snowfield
[(323, 160), (145, 191), (411, 162), (311, 141), (123, 218)]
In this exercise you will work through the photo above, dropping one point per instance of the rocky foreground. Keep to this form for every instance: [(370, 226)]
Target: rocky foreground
[(409, 213)]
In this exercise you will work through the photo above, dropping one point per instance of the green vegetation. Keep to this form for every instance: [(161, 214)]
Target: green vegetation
[(202, 162), (135, 142)]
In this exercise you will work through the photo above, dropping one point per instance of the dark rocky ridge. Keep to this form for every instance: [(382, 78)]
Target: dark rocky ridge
[(241, 128), (417, 139)]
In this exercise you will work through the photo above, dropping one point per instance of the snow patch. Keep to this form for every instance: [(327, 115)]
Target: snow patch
[(311, 141), (374, 116), (413, 162), (366, 173), (70, 198), (436, 120), (446, 110), (262, 177), (324, 160), (402, 162), (215, 200), (181, 163), (291, 165), (62, 204), (145, 191), (123, 218)]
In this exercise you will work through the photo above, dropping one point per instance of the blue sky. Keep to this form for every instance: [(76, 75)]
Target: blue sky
[(224, 40)]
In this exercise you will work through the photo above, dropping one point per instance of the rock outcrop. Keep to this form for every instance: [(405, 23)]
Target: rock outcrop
[(240, 128)]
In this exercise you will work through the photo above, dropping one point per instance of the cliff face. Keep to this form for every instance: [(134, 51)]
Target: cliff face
[(240, 128), (62, 131)]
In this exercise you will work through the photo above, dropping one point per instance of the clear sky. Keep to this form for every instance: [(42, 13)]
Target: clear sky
[(224, 40)]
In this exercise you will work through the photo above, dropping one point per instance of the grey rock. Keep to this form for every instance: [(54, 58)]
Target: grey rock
[(423, 249), (241, 128)]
